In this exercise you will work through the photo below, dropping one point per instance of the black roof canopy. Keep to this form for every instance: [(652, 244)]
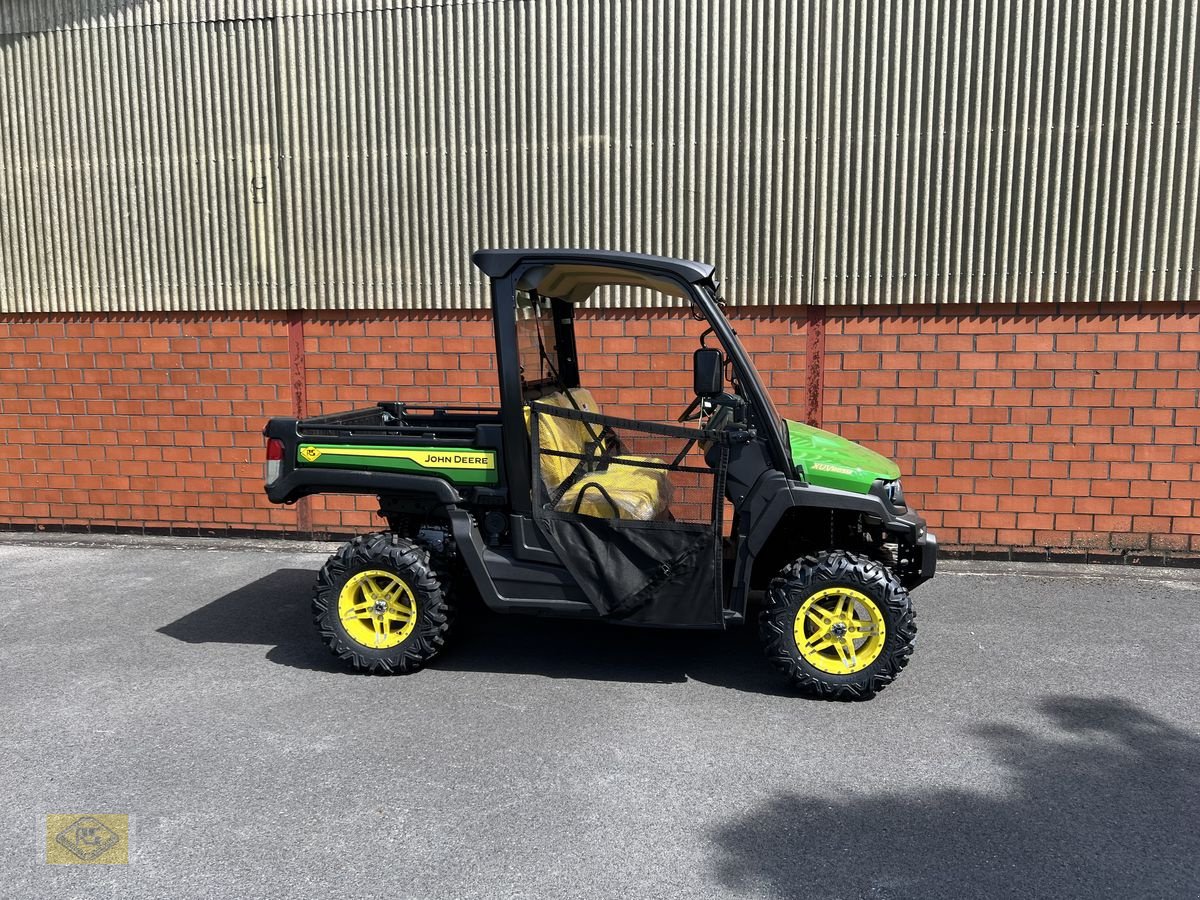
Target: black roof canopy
[(574, 274)]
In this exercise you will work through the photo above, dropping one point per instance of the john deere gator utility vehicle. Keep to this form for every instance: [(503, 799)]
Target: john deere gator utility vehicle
[(554, 506)]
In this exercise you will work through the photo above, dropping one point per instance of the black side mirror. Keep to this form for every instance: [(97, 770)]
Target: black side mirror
[(708, 372)]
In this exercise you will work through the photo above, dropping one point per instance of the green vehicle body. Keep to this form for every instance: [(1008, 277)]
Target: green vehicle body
[(822, 457), (829, 460), (458, 465)]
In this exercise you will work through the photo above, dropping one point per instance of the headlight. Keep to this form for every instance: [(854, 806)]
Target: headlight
[(895, 495)]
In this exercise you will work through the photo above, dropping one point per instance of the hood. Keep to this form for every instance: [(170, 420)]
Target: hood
[(834, 462)]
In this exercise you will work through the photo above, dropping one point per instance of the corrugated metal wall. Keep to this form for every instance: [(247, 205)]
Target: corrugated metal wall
[(137, 169), (305, 153)]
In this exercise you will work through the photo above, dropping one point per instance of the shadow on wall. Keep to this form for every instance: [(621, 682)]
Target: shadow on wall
[(275, 610), (1105, 803), (20, 18)]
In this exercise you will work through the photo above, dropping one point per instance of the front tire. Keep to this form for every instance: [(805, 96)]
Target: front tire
[(838, 625), (380, 606)]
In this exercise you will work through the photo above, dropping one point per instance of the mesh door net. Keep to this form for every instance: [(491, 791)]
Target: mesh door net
[(633, 510)]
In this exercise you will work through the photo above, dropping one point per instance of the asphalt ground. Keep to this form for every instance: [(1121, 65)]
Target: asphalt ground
[(1043, 742)]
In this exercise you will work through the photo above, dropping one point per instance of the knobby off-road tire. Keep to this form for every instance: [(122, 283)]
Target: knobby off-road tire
[(363, 599), (829, 602)]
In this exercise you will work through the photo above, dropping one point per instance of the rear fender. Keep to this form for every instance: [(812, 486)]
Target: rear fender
[(297, 483)]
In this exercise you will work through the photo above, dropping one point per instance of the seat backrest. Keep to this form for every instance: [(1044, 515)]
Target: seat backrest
[(564, 435)]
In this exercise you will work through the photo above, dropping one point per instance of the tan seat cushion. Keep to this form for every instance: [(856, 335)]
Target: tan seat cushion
[(629, 492), (636, 492), (564, 435)]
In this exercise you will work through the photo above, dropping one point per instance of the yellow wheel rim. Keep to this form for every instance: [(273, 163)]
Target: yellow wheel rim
[(839, 631), (377, 609)]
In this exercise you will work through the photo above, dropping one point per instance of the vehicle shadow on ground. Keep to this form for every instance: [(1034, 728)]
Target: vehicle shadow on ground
[(598, 651), (275, 611), (1100, 803)]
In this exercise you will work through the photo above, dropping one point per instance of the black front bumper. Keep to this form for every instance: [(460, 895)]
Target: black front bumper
[(929, 550), (918, 548)]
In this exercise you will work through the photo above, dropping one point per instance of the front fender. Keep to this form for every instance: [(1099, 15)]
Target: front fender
[(774, 495)]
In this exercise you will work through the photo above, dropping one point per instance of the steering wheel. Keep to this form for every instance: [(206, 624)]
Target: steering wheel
[(720, 415), (721, 418)]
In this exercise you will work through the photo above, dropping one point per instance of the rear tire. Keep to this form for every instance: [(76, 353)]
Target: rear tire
[(380, 606), (837, 625)]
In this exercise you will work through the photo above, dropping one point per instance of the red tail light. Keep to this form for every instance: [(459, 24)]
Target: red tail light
[(274, 459)]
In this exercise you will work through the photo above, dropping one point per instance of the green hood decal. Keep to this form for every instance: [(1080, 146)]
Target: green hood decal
[(834, 462)]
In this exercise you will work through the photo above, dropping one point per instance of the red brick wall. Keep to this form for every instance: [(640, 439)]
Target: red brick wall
[(1075, 428), (149, 421)]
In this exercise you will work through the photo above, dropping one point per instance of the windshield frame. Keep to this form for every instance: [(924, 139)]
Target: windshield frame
[(706, 299)]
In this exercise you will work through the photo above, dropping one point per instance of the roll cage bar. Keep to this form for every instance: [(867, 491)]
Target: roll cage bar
[(568, 277)]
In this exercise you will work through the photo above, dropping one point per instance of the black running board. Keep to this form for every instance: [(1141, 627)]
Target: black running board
[(550, 583)]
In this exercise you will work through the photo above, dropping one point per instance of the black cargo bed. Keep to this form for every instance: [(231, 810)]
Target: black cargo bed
[(402, 419)]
